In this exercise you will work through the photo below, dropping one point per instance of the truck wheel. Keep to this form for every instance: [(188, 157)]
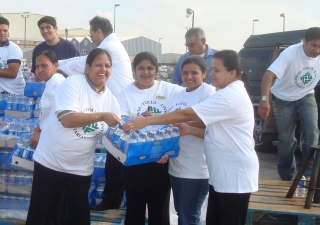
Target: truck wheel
[(260, 146)]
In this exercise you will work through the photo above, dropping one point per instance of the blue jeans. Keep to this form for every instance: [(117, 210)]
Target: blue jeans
[(188, 197), (285, 113)]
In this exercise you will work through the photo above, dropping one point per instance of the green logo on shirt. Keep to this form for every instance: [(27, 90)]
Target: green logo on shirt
[(306, 78), (89, 128), (154, 109)]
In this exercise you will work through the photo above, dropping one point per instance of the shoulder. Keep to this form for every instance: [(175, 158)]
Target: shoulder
[(211, 51), (58, 78), (14, 46)]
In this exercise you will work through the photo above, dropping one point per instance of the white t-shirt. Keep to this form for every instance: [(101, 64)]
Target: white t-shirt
[(71, 150), (48, 96), (121, 72), (134, 101), (11, 53), (191, 162), (297, 74), (228, 144)]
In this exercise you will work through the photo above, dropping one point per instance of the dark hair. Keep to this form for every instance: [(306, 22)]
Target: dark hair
[(145, 55), (62, 73), (4, 21), (50, 55), (94, 53), (232, 61), (102, 23), (197, 32), (313, 33), (196, 59), (47, 19)]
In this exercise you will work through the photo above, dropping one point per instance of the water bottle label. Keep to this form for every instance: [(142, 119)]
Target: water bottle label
[(110, 133), (121, 144), (18, 152), (27, 154), (115, 139)]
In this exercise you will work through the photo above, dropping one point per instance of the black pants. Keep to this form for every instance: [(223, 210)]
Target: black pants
[(114, 188), (48, 185), (227, 208), (147, 184)]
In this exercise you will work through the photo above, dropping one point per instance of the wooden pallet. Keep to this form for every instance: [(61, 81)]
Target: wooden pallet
[(270, 206)]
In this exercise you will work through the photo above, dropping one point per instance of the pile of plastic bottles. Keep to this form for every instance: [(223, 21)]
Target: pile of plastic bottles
[(11, 196), (23, 149), (17, 102), (99, 160), (121, 139), (17, 127)]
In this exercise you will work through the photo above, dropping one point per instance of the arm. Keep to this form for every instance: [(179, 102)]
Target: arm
[(198, 124), (178, 116), (10, 72), (264, 106), (74, 65), (185, 129), (77, 119)]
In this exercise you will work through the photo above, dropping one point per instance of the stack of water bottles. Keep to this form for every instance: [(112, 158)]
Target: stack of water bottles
[(145, 145), (32, 88), (13, 128), (15, 189), (99, 163), (23, 149)]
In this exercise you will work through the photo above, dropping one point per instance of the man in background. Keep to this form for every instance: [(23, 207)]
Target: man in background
[(11, 78), (196, 44), (63, 49)]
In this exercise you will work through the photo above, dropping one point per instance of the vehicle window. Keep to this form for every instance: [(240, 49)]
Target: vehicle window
[(255, 61)]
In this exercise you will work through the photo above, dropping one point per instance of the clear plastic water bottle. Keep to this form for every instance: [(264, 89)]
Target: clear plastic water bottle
[(9, 102), (123, 139), (22, 103), (150, 136), (159, 135), (38, 104), (30, 79), (12, 129), (175, 132), (133, 139), (29, 104), (301, 189), (142, 137), (116, 135), (14, 103), (110, 132), (4, 128), (20, 178), (97, 161), (167, 133)]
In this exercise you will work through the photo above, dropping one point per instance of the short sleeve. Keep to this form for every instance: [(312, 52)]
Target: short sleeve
[(124, 104), (280, 65)]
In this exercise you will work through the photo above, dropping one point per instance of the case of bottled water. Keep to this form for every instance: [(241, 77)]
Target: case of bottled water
[(32, 88), (146, 145)]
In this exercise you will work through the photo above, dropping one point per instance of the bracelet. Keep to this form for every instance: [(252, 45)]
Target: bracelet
[(98, 116)]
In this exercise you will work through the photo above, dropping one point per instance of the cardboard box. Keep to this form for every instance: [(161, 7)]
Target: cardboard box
[(8, 141), (18, 114), (23, 163), (21, 190), (151, 152), (36, 113)]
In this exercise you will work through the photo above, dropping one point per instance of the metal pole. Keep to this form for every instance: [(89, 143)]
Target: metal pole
[(284, 22), (192, 18), (252, 26), (25, 29), (114, 18)]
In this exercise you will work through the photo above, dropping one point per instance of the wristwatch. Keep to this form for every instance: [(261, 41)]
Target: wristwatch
[(264, 98)]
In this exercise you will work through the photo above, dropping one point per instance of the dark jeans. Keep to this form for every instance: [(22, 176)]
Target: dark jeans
[(147, 184), (48, 185), (227, 208), (114, 188)]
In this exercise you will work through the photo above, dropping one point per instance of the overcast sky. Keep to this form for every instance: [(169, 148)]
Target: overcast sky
[(227, 23)]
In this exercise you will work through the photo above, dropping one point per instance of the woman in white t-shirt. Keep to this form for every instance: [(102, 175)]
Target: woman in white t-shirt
[(46, 70), (228, 140), (83, 108), (189, 172), (147, 183)]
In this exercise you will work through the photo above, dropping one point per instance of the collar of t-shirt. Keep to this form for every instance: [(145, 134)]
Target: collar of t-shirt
[(93, 87), (6, 43)]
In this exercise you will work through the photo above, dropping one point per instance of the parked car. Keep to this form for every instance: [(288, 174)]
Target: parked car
[(258, 52)]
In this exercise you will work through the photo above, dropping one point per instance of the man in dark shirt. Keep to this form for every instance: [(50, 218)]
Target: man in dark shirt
[(63, 49)]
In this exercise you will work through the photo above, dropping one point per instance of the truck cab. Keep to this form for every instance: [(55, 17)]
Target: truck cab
[(257, 54)]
